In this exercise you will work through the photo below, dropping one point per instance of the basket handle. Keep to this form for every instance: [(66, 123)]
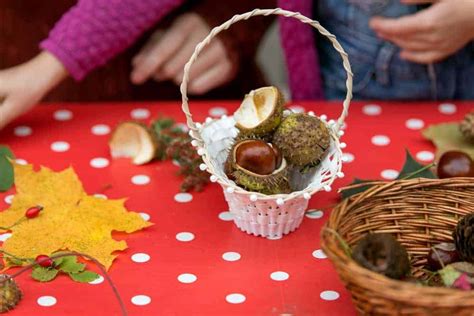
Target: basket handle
[(246, 16)]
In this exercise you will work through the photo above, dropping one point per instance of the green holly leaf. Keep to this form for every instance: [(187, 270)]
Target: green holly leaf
[(446, 137), (162, 123), (6, 169), (70, 264), (84, 276), (449, 274), (349, 192), (42, 274), (413, 169)]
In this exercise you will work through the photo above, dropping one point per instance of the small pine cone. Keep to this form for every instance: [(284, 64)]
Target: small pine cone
[(463, 237), (467, 127), (10, 293)]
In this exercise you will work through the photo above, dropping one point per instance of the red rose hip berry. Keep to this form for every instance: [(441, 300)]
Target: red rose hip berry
[(34, 211), (44, 261)]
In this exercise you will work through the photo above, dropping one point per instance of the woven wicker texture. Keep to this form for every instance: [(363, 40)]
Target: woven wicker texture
[(419, 213)]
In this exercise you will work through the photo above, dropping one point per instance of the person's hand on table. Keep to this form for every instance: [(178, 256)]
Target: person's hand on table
[(166, 53), (23, 86), (432, 34)]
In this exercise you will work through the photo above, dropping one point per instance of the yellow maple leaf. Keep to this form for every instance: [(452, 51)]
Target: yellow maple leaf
[(70, 218)]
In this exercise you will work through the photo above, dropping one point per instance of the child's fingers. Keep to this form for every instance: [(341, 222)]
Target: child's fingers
[(149, 60), (408, 43), (173, 66), (214, 77), (406, 25), (211, 55), (8, 112), (417, 1)]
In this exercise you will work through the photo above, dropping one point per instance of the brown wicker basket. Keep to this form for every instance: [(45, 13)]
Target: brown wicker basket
[(419, 213)]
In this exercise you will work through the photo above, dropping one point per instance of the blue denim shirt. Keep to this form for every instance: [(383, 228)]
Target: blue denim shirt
[(379, 72)]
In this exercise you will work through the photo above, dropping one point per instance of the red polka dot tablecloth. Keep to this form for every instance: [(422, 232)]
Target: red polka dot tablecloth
[(194, 261)]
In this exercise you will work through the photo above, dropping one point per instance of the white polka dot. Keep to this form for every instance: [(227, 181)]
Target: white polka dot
[(347, 157), (425, 156), (62, 115), (46, 301), (297, 109), (185, 236), (5, 236), (276, 237), (175, 162), (319, 254), (314, 214), (100, 129), (231, 256), (279, 276), (21, 161), (217, 111), (140, 179), (22, 131), (145, 216), (329, 295), (389, 174), (140, 257), (140, 114), (99, 280), (60, 146), (226, 216), (9, 199), (380, 140), (187, 278), (414, 124), (447, 108), (372, 109), (141, 300), (235, 298), (182, 127), (99, 162), (100, 196), (183, 197)]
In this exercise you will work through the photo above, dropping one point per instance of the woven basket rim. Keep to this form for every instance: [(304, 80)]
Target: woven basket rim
[(427, 296)]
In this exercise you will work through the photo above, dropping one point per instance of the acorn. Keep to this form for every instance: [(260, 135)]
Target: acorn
[(463, 236), (10, 294), (383, 254), (258, 166), (454, 164), (441, 255), (467, 127)]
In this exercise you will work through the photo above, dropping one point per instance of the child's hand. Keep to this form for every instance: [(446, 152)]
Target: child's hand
[(165, 55), (21, 87), (431, 34)]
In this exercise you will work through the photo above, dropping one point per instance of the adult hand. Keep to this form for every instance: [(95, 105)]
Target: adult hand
[(166, 53), (21, 87), (432, 34)]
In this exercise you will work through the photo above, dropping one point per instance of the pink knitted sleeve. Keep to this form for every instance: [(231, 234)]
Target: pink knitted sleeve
[(94, 31)]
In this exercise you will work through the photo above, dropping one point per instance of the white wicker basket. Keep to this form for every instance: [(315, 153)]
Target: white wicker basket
[(269, 216)]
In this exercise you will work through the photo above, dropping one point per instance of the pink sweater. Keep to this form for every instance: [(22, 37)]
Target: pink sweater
[(94, 31)]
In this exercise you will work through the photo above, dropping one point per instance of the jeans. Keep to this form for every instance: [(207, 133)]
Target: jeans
[(379, 72)]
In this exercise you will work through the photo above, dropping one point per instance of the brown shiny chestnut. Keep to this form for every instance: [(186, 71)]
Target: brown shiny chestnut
[(455, 164), (256, 156)]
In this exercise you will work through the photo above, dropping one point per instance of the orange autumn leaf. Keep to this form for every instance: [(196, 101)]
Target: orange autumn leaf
[(70, 219)]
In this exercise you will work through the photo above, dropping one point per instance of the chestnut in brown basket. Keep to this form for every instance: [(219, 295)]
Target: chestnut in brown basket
[(383, 254), (455, 164), (441, 255), (463, 237)]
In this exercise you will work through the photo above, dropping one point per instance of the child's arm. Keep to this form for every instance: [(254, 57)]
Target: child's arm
[(431, 34)]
